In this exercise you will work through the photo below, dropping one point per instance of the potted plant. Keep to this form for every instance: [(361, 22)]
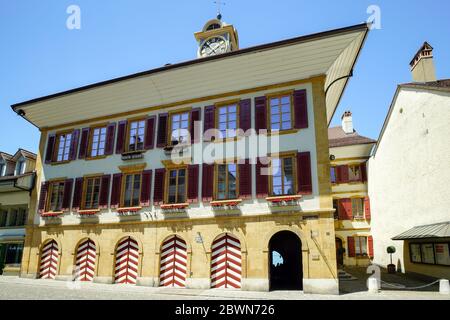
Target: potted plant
[(391, 267)]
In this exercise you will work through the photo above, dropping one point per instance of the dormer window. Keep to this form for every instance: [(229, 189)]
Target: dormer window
[(20, 167), (2, 168)]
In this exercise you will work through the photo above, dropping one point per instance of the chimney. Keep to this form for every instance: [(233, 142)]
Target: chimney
[(422, 65), (347, 122)]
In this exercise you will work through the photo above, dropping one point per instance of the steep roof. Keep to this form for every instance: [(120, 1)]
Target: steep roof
[(338, 138), (443, 84), (25, 153), (5, 156)]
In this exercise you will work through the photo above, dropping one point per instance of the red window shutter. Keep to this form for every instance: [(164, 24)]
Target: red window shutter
[(363, 169), (84, 143), (343, 174), (77, 194), (193, 176), (161, 140), (245, 180), (116, 190), (109, 145), (43, 197), (262, 180), (208, 182), (245, 114), (67, 196), (367, 208), (50, 148), (149, 140), (345, 209), (370, 245), (146, 187), (196, 115), (304, 177), (351, 247), (300, 109), (74, 144), (158, 190), (121, 134), (209, 119), (104, 191), (260, 114)]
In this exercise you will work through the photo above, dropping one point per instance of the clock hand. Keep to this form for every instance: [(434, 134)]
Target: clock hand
[(211, 48)]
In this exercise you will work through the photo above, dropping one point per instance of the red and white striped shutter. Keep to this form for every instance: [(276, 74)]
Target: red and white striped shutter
[(173, 266), (226, 262), (127, 257), (85, 264), (49, 260)]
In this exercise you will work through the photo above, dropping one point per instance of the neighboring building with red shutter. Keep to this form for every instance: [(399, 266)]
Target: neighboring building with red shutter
[(17, 177), (349, 154), (124, 181)]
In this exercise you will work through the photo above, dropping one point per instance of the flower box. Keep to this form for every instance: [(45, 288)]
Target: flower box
[(128, 211), (51, 214), (226, 204), (284, 201), (88, 213)]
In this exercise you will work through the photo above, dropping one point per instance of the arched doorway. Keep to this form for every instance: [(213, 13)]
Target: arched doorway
[(173, 264), (285, 258), (49, 260), (339, 252), (226, 262), (86, 257), (127, 259)]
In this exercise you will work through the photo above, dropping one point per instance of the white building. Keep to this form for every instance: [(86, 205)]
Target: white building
[(409, 174)]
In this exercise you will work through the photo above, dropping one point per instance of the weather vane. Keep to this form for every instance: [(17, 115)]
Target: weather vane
[(219, 3)]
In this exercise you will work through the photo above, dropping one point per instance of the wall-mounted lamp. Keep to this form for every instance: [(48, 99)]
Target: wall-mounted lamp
[(332, 157)]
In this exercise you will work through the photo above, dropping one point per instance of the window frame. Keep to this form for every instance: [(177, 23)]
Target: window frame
[(21, 165), (216, 180), (228, 103), (84, 192), (57, 144), (280, 95), (280, 156), (128, 135), (167, 180), (50, 193), (362, 216), (358, 179), (169, 127), (360, 255), (90, 141), (334, 169), (123, 189)]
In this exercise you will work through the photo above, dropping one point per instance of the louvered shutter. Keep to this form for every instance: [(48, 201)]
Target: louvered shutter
[(146, 187), (50, 147), (74, 144), (367, 208), (149, 140), (195, 117), (300, 109), (121, 133), (161, 140), (209, 120), (84, 143), (109, 145), (116, 190), (262, 179), (208, 182), (260, 114), (245, 180), (158, 189), (193, 176), (343, 174), (245, 114), (77, 194), (67, 196), (345, 209), (43, 197), (351, 247), (370, 245), (104, 191), (363, 169), (304, 177)]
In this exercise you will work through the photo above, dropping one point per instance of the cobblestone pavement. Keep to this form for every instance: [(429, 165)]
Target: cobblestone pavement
[(29, 289)]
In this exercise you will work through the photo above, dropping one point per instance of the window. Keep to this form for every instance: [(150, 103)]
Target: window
[(136, 136), (56, 191), (132, 189), (63, 147), (179, 128), (336, 208), (333, 175), (361, 246), (226, 181), (280, 113), (22, 217), (228, 120), (3, 216), (442, 254), (354, 173), (92, 193), (98, 141), (13, 253), (12, 219), (430, 253), (2, 169), (177, 186), (20, 167), (427, 253), (415, 253), (358, 208), (283, 176)]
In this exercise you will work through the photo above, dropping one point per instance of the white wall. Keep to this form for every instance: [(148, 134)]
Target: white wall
[(410, 172)]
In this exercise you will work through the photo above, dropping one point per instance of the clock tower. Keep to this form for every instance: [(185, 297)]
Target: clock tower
[(217, 37)]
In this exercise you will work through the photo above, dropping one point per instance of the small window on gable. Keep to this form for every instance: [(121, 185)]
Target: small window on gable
[(20, 167)]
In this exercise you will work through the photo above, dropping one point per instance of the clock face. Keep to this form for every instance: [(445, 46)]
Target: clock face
[(213, 46)]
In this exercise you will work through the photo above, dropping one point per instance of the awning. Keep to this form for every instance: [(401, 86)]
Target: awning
[(438, 230)]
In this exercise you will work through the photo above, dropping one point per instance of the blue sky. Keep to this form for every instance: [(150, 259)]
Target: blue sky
[(40, 56)]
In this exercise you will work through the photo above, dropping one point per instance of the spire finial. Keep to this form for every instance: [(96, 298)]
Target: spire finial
[(219, 3)]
